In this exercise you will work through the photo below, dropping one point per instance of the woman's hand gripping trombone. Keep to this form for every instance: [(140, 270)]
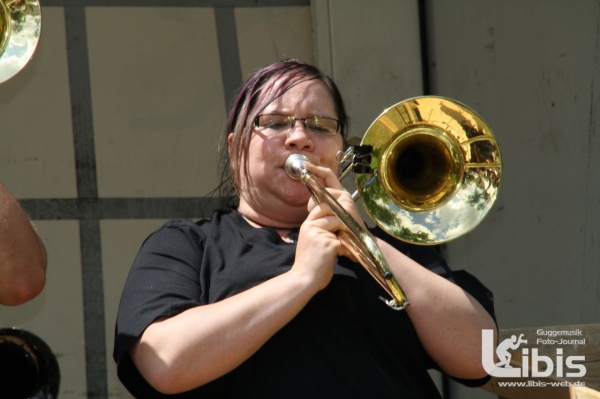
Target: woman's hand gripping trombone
[(354, 236)]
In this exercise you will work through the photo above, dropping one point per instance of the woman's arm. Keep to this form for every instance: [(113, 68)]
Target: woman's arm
[(205, 342), (447, 319), (22, 254)]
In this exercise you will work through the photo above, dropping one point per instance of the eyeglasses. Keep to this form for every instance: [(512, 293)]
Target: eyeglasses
[(318, 125)]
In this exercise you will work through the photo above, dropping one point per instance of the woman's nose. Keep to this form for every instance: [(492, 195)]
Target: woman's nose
[(298, 137)]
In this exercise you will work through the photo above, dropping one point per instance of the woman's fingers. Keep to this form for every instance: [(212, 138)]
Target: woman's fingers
[(322, 217), (325, 175), (330, 181)]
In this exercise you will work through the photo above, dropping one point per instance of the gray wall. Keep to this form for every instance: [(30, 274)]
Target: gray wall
[(534, 75), (113, 128)]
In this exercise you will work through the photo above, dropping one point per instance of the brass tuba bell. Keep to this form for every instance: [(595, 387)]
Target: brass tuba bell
[(28, 368), (20, 27)]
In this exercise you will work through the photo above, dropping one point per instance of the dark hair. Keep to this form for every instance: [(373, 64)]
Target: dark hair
[(254, 95)]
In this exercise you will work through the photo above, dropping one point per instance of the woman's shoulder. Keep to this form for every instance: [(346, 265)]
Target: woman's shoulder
[(179, 234), (218, 220)]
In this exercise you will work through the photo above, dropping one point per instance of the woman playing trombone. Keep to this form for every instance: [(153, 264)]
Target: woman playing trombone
[(263, 300)]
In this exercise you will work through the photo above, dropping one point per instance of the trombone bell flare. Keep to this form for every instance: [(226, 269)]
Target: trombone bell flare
[(20, 27), (427, 170), (434, 172)]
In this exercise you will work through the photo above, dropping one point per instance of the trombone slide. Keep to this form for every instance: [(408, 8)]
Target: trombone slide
[(355, 238)]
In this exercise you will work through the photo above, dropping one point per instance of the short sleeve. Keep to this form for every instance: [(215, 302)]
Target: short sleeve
[(163, 281)]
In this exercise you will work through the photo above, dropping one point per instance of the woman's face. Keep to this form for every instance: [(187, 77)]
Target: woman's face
[(273, 192)]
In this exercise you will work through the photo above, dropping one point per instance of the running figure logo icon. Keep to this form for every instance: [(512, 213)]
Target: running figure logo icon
[(503, 367), (502, 352)]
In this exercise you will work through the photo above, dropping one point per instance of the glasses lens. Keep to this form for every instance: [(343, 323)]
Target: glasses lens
[(322, 125), (275, 123)]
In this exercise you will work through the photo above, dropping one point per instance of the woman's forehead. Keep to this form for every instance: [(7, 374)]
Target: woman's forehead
[(308, 93)]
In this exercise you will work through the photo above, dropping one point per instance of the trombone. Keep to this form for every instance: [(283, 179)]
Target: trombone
[(427, 170)]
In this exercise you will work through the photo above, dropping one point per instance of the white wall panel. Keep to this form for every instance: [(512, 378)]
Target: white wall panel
[(372, 50), (266, 34), (36, 139), (157, 100)]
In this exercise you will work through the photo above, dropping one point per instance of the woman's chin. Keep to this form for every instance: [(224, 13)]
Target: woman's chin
[(296, 197), (294, 191)]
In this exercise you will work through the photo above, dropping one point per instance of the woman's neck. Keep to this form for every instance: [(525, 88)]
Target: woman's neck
[(287, 234), (261, 219)]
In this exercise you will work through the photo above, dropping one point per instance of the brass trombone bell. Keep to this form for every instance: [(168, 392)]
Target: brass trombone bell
[(20, 27), (429, 170)]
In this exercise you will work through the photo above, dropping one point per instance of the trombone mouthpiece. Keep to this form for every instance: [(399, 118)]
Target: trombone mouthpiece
[(294, 165)]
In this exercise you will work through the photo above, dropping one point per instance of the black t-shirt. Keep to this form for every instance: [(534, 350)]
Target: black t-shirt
[(345, 343)]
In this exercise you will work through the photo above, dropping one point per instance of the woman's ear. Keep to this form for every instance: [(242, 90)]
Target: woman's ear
[(230, 142)]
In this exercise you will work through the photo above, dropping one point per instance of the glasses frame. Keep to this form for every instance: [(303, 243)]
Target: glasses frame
[(293, 120)]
